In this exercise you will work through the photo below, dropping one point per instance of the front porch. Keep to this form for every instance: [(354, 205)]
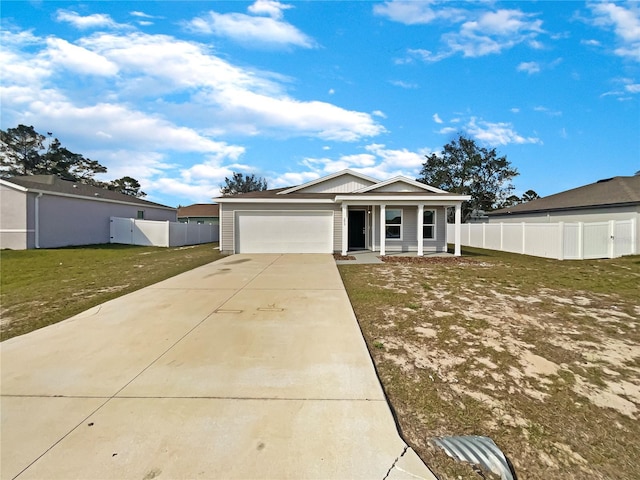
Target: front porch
[(396, 227)]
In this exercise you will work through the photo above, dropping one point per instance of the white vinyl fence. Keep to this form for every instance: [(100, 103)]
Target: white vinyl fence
[(562, 241), (131, 231)]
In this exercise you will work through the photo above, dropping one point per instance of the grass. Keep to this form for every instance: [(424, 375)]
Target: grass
[(541, 355), (42, 287)]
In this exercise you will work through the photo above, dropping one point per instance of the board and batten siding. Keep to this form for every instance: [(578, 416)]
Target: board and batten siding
[(410, 230), (342, 184), (228, 219)]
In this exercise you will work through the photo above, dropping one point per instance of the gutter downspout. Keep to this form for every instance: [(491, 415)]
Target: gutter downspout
[(37, 223)]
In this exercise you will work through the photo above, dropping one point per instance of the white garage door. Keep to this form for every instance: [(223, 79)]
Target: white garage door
[(284, 232)]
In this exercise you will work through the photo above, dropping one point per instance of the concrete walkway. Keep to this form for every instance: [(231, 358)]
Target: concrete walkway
[(249, 367)]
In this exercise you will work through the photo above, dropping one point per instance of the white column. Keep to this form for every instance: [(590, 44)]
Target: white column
[(383, 212), (373, 227), (458, 250), (420, 230), (345, 229)]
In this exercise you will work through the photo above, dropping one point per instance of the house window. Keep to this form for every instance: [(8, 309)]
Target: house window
[(140, 215), (429, 224), (393, 224)]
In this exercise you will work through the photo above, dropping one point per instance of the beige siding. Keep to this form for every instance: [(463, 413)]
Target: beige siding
[(229, 210), (342, 184)]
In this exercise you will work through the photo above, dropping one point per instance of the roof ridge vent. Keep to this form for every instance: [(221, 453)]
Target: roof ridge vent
[(605, 180)]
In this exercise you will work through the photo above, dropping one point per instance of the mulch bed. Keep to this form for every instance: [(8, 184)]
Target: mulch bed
[(337, 256), (430, 260)]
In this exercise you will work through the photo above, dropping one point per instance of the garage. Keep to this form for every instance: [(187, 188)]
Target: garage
[(284, 231)]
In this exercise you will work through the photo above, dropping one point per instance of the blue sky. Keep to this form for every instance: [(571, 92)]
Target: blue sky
[(180, 94)]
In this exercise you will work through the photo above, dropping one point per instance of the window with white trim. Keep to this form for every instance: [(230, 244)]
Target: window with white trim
[(393, 224), (429, 224)]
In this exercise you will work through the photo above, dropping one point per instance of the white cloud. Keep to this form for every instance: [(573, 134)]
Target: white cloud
[(633, 88), (591, 42), (142, 15), (331, 91), (625, 23), (271, 8), (489, 32), (401, 84), (378, 113), (245, 101), (254, 31), (529, 67), (413, 13), (78, 59), (498, 133), (97, 20), (378, 162), (548, 111), (515, 110), (436, 118), (494, 32)]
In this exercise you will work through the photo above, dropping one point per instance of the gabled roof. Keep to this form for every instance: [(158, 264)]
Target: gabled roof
[(609, 192), (329, 177), (199, 210), (54, 185), (419, 192), (400, 179)]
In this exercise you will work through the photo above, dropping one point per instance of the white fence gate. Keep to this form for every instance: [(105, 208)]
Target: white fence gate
[(562, 241), (152, 233)]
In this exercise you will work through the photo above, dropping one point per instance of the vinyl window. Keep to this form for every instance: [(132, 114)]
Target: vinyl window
[(393, 224), (429, 224)]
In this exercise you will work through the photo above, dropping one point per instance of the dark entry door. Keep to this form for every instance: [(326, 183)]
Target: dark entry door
[(357, 229)]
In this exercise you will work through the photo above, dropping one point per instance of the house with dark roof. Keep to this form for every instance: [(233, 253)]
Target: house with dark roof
[(616, 198), (202, 213), (45, 211), (343, 212)]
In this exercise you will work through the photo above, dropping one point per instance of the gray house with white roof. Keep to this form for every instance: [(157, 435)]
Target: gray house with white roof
[(339, 213)]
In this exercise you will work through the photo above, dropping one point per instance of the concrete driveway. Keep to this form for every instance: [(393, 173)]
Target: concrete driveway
[(249, 367)]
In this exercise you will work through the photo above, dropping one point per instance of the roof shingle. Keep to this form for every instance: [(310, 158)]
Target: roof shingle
[(607, 192)]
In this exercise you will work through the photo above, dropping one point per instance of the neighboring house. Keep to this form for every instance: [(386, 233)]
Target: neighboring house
[(44, 211), (342, 212), (611, 199), (616, 198), (202, 213)]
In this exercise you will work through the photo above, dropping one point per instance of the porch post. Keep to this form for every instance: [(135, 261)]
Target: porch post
[(372, 217), (383, 212), (420, 230), (345, 229), (457, 251)]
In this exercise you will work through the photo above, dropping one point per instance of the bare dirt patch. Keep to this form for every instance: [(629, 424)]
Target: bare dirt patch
[(542, 356)]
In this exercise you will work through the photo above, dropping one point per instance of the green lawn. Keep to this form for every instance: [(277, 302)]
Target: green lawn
[(41, 287), (541, 355)]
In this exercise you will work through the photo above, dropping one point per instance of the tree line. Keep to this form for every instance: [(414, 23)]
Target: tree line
[(23, 151)]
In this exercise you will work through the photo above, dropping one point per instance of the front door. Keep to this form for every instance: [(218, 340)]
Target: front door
[(357, 229)]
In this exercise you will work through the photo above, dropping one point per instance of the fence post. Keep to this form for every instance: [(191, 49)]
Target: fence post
[(501, 236), (561, 238), (633, 237), (524, 243), (484, 233), (581, 240), (612, 235)]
